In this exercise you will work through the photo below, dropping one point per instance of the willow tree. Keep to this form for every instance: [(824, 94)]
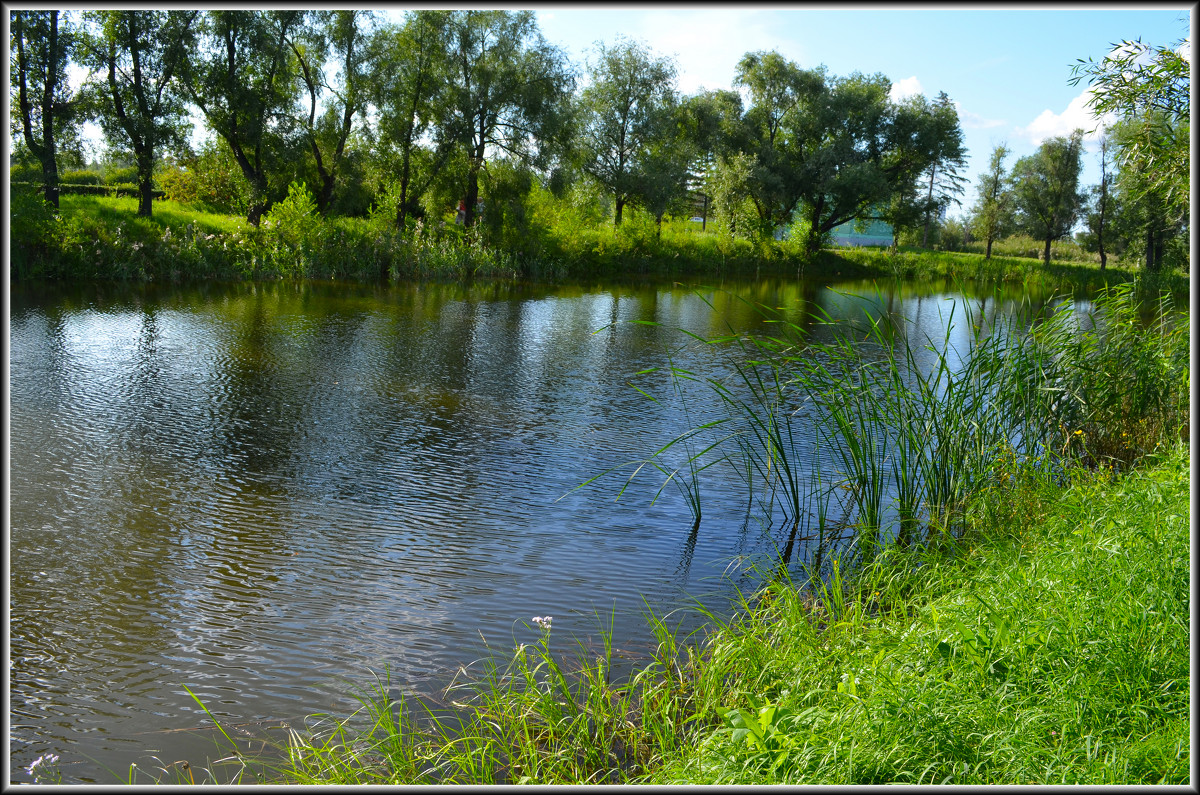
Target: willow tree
[(243, 79), (41, 47), (409, 88), (137, 55), (1046, 189), (992, 215), (627, 120), (340, 36), (508, 92)]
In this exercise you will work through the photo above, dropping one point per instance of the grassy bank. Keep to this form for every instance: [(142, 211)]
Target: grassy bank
[(99, 237)]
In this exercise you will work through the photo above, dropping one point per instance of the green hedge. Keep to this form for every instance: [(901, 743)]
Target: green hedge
[(123, 189)]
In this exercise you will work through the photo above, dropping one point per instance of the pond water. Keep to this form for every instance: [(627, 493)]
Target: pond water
[(265, 493)]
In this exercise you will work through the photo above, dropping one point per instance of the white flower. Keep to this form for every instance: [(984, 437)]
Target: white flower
[(543, 621)]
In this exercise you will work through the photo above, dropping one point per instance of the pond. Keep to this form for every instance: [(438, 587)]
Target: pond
[(266, 492)]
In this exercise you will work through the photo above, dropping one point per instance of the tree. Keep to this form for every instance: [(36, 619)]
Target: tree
[(339, 33), (137, 55), (782, 97), (626, 113), (1150, 88), (924, 138), (243, 81), (1046, 189), (1148, 217), (1103, 204), (712, 125), (949, 155), (856, 149), (38, 78), (992, 214), (507, 89), (409, 88)]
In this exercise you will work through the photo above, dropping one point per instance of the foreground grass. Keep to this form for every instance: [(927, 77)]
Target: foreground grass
[(1053, 649), (1049, 645)]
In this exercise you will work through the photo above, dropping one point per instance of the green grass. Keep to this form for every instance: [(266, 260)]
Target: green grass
[(1052, 649)]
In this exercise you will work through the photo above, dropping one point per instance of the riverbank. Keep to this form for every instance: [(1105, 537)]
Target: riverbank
[(102, 238), (1051, 645)]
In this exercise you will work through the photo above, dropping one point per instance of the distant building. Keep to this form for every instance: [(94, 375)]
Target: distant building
[(876, 233)]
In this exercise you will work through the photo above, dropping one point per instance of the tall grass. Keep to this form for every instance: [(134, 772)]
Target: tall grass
[(1055, 652), (95, 237), (911, 430)]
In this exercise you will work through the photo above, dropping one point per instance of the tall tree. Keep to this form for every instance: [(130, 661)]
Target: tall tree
[(1150, 219), (783, 97), (340, 35), (409, 89), (508, 89), (856, 149), (42, 42), (992, 215), (626, 113), (949, 155), (712, 125), (1046, 189), (1103, 200), (137, 55), (243, 80)]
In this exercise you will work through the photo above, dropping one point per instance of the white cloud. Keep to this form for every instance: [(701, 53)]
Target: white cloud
[(1076, 116), (908, 87), (973, 121), (707, 44)]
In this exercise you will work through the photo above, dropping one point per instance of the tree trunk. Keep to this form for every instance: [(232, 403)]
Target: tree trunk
[(1048, 239), (988, 255), (928, 213), (813, 243), (145, 183), (617, 217)]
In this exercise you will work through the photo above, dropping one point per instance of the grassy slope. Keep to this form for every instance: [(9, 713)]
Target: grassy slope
[(1056, 651)]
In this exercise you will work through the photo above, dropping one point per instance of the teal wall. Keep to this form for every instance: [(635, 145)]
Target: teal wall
[(877, 233)]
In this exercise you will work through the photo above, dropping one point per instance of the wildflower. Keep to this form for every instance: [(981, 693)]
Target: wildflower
[(44, 761), (543, 622)]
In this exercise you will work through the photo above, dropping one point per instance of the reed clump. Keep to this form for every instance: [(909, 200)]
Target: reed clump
[(872, 437)]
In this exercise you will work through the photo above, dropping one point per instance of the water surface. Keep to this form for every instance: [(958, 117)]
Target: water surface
[(264, 492)]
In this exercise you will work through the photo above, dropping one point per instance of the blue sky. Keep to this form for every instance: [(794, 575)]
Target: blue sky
[(1006, 69)]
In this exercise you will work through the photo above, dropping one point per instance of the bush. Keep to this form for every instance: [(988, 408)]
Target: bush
[(80, 177), (121, 175)]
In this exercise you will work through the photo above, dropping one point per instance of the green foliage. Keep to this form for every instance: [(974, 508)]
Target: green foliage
[(81, 177), (1108, 395), (242, 77), (1149, 88), (992, 216), (1046, 191), (212, 180), (628, 123)]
